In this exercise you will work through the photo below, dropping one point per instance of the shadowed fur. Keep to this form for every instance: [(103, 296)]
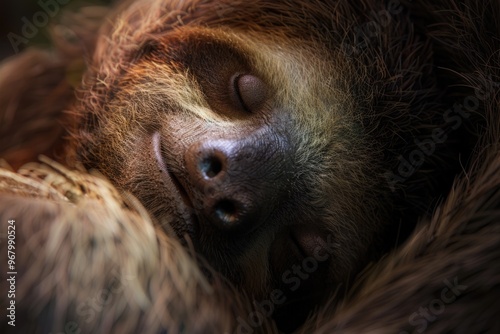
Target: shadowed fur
[(343, 113)]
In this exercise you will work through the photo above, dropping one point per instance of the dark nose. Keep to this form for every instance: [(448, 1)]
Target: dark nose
[(238, 182)]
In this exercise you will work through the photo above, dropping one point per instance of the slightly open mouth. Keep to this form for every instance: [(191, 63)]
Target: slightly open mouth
[(307, 239), (297, 243), (299, 262)]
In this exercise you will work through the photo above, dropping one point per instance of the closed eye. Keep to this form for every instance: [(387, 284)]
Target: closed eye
[(250, 92)]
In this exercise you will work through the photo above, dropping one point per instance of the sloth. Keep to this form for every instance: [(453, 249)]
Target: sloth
[(269, 145), (290, 144)]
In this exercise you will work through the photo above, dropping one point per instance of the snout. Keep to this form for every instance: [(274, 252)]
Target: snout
[(238, 183)]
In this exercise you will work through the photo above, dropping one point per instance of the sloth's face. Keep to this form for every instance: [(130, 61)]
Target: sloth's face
[(248, 147)]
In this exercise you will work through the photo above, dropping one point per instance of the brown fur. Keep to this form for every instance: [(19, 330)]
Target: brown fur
[(105, 254), (391, 89), (350, 117)]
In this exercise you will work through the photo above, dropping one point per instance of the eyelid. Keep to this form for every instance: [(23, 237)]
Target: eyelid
[(235, 89), (251, 92)]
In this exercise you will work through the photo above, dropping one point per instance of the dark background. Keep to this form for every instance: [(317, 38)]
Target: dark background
[(12, 12)]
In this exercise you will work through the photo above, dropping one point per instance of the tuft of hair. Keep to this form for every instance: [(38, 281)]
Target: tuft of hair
[(91, 259)]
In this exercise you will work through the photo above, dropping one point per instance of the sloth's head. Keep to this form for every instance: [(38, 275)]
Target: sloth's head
[(258, 142)]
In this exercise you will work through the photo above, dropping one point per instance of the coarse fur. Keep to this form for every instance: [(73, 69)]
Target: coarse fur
[(83, 248), (346, 116), (357, 111)]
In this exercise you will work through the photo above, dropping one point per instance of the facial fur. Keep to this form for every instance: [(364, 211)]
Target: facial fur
[(258, 141)]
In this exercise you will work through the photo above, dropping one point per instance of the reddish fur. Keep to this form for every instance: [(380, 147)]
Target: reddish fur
[(460, 239)]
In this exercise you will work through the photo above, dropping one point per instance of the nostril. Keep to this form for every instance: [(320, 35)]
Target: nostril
[(226, 212), (210, 166), (222, 196)]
